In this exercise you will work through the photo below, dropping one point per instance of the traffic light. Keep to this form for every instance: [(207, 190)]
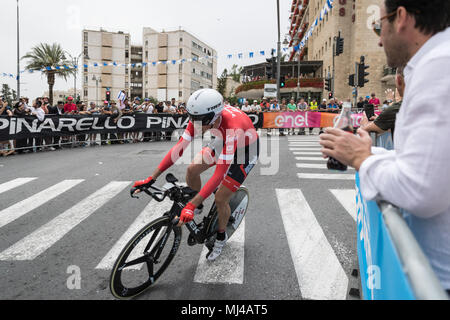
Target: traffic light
[(108, 95), (362, 74), (339, 45), (330, 95), (328, 84), (351, 80), (282, 82), (269, 68)]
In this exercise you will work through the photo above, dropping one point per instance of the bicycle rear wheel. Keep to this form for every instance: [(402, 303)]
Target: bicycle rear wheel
[(238, 204), (145, 258)]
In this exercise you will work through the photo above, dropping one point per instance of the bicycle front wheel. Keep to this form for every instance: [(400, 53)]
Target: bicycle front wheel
[(145, 258)]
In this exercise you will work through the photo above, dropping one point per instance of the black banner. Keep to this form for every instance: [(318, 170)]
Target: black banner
[(12, 128)]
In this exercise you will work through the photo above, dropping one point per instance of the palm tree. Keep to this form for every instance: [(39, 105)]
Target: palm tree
[(44, 56)]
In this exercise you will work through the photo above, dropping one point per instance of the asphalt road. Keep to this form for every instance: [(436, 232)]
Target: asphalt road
[(298, 241)]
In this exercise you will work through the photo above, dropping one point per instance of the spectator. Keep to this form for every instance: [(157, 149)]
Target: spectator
[(313, 107), (55, 112), (246, 107), (256, 107), (37, 111), (21, 145), (415, 176), (386, 120), (292, 107), (360, 105), (95, 111), (375, 101), (303, 107), (70, 107)]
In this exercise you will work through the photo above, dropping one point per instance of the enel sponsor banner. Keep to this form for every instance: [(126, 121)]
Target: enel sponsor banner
[(288, 120)]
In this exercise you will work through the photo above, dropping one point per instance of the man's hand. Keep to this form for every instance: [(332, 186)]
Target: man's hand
[(187, 214), (347, 148)]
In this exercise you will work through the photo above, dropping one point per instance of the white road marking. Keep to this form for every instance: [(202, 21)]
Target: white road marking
[(347, 198), (228, 268), (43, 238), (310, 159), (319, 273), (151, 212), (14, 184), (303, 153), (331, 176), (315, 166), (23, 207), (305, 149)]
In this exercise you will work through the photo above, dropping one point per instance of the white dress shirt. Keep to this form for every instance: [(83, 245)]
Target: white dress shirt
[(416, 175)]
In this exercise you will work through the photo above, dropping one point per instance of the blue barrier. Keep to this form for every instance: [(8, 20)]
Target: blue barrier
[(382, 274)]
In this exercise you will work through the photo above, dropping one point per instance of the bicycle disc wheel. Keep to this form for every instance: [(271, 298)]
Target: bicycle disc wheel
[(145, 258), (238, 204)]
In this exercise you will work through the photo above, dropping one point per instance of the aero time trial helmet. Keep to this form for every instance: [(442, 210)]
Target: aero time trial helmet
[(205, 105)]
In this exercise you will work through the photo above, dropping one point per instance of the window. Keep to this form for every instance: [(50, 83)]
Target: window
[(180, 68), (127, 41), (85, 92), (181, 39), (181, 52), (180, 94), (180, 81), (127, 54), (86, 52), (146, 54), (146, 43), (85, 37), (193, 70)]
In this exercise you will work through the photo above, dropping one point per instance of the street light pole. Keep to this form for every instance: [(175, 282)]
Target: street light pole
[(18, 53), (75, 65), (279, 54)]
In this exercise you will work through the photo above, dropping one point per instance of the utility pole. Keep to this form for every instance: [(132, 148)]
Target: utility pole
[(279, 54), (18, 53)]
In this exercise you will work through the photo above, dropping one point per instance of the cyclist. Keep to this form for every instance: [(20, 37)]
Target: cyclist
[(232, 130)]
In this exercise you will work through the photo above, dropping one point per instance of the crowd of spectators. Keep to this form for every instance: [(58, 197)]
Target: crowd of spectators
[(40, 108)]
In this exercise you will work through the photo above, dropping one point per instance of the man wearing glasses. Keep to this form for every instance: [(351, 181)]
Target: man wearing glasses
[(415, 176)]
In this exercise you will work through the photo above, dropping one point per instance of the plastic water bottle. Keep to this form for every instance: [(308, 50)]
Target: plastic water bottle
[(344, 122)]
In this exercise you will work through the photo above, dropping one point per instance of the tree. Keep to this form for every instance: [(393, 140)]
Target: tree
[(236, 73), (222, 82), (8, 94), (45, 56)]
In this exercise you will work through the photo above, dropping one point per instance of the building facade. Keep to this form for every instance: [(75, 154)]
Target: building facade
[(147, 70), (62, 95), (167, 80), (105, 47), (353, 21)]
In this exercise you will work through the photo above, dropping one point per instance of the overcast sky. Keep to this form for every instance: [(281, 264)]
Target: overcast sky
[(229, 26)]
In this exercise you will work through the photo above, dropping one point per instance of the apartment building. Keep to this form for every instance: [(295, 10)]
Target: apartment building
[(166, 79), (101, 47)]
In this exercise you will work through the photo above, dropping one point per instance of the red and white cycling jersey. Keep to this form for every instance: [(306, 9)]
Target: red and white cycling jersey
[(236, 130)]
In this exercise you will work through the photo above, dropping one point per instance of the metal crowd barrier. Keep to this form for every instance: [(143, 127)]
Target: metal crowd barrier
[(423, 281)]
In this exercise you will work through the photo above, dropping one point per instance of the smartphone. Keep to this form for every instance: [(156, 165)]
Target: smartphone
[(369, 110)]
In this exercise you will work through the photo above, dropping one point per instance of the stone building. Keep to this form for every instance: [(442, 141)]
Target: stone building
[(353, 20)]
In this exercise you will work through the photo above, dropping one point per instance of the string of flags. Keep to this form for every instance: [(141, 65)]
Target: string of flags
[(326, 8), (240, 55)]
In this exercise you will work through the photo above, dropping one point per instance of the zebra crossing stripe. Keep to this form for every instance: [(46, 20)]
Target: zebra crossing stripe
[(319, 273), (304, 149), (310, 159), (229, 266), (43, 238), (151, 212), (14, 184), (347, 198), (23, 207), (330, 176), (303, 153), (314, 166), (304, 144)]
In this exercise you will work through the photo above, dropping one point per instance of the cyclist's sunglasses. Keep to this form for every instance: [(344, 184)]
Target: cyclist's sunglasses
[(205, 119)]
